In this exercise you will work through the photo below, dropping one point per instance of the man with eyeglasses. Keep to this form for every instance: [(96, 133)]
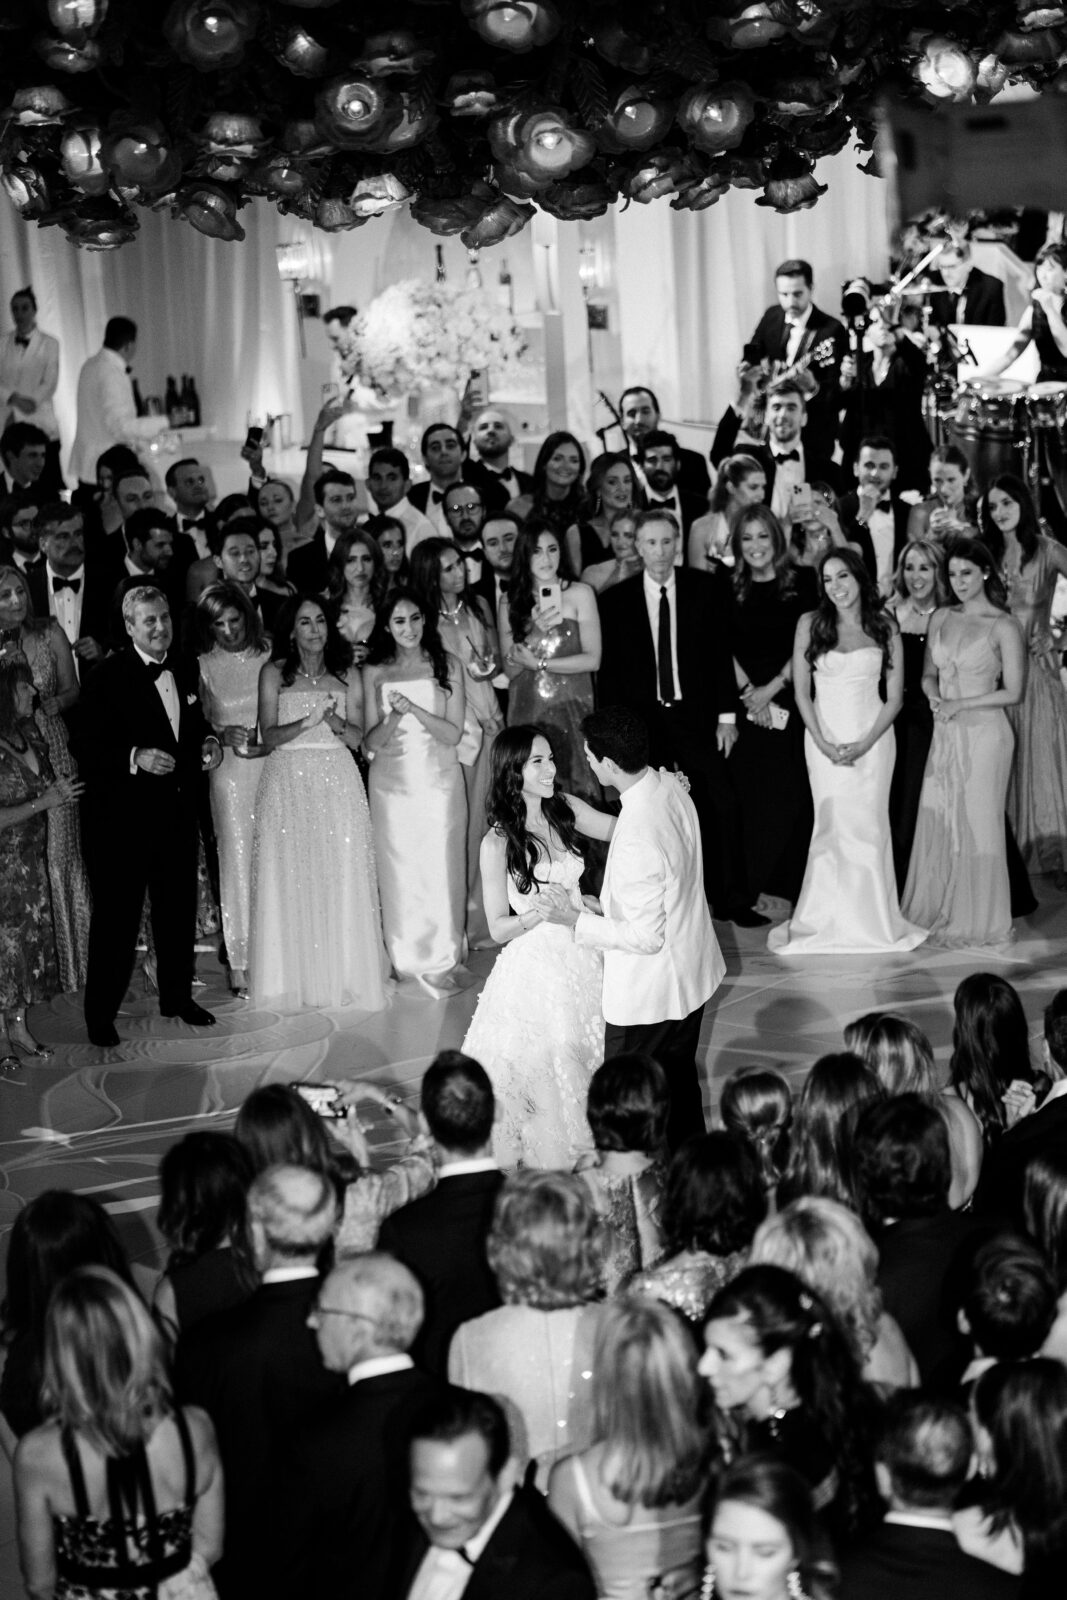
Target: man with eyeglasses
[(465, 517), (256, 1369), (346, 1471)]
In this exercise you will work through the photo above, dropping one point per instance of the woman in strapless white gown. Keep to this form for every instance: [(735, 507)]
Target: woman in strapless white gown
[(848, 901), (539, 1027), (316, 937)]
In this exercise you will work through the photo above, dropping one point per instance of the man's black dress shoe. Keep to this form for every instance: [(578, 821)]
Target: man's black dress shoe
[(745, 917), (191, 1013), (105, 1038)]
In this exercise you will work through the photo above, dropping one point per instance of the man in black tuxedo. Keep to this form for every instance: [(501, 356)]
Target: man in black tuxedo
[(442, 1235), (188, 486), (787, 458), (150, 543), (922, 1462), (661, 458), (1042, 1133), (24, 452), (442, 456), (464, 512), (487, 466), (344, 1476), (336, 497), (640, 413), (257, 1372), (970, 296), (795, 333), (72, 590), (142, 747), (499, 532), (19, 545), (474, 1532), (875, 519), (667, 655)]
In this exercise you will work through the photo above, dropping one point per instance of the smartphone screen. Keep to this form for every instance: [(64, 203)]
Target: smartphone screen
[(478, 387), (254, 438), (322, 1098)]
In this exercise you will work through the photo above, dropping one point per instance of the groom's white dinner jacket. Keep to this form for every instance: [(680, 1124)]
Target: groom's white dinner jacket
[(661, 957)]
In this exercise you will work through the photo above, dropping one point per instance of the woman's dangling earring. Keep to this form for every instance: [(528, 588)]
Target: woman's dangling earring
[(707, 1588), (793, 1585)]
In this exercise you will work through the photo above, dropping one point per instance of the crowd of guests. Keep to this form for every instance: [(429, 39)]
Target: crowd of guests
[(817, 1351)]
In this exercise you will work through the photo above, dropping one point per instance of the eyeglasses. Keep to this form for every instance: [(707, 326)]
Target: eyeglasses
[(468, 505), (339, 1311)]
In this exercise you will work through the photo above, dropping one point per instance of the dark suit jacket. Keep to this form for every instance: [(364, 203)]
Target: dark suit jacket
[(441, 1237), (922, 1261), (95, 598), (705, 654), (257, 1372), (1000, 1187), (856, 532), (920, 1564), (691, 506), (983, 302), (817, 468), (693, 478), (495, 494), (530, 1556), (306, 565), (344, 1487), (419, 495), (825, 343)]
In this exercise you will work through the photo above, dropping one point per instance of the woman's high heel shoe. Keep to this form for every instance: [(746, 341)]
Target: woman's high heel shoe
[(20, 1035), (238, 982)]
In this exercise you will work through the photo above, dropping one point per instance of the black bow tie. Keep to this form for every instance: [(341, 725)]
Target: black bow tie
[(22, 341), (786, 455), (884, 505), (59, 584), (156, 669), (437, 497), (193, 522), (661, 505)]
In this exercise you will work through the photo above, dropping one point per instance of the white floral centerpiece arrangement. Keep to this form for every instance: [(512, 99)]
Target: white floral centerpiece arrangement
[(422, 336)]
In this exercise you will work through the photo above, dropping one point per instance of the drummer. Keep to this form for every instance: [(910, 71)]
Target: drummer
[(1043, 320), (950, 512)]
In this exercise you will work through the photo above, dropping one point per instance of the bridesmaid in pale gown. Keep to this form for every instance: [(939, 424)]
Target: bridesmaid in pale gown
[(316, 924), (975, 667), (414, 696), (848, 901), (232, 651)]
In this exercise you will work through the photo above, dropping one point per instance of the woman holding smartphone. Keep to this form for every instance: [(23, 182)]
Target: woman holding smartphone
[(550, 640)]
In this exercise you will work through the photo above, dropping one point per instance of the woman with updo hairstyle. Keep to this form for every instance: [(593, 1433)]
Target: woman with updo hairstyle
[(845, 653), (624, 561), (538, 1029), (613, 487), (785, 1380), (275, 505), (827, 1247), (824, 1119), (627, 1108), (713, 1204), (535, 1352), (765, 1541), (120, 1492), (768, 597), (232, 649), (741, 481), (203, 1181), (900, 1056), (756, 1106), (950, 511), (315, 917), (54, 1233), (633, 1500), (990, 1050)]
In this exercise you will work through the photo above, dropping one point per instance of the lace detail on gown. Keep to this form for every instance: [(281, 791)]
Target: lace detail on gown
[(539, 1033)]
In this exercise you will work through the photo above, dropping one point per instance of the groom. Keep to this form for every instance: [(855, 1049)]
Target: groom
[(661, 958)]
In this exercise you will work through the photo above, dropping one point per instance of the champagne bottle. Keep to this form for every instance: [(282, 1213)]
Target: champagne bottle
[(504, 296), (194, 403), (172, 403)]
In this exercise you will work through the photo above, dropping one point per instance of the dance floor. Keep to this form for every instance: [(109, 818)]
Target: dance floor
[(98, 1121)]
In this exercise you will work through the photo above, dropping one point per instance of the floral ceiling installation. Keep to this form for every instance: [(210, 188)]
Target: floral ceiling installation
[(474, 112)]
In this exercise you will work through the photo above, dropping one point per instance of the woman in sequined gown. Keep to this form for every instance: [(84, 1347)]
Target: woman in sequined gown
[(550, 638), (1030, 563), (415, 699), (232, 651), (45, 647), (315, 922), (975, 667), (539, 1027)]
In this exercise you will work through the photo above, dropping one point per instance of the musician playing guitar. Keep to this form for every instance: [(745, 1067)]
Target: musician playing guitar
[(796, 336)]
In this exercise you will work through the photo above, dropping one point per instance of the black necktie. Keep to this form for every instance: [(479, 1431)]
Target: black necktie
[(156, 669), (24, 342), (666, 670), (788, 455), (59, 584)]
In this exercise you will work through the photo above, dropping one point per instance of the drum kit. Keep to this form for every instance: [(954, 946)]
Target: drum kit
[(1001, 425)]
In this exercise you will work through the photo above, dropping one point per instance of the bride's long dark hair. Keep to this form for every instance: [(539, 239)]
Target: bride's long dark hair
[(875, 620), (506, 809)]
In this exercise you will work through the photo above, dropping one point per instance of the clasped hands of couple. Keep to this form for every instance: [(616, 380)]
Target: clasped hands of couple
[(553, 904)]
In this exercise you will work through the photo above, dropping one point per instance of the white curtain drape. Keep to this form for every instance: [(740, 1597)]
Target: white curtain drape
[(218, 311)]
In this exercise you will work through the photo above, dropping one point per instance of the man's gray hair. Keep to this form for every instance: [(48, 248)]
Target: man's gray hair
[(395, 1290), (295, 1207), (143, 595)]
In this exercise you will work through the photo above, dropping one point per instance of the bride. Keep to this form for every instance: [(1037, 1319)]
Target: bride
[(539, 1026)]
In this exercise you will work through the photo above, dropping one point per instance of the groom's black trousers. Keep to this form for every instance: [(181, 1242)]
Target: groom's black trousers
[(674, 1046)]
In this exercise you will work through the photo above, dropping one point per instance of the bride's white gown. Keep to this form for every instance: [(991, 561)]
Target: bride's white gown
[(848, 901), (539, 1033)]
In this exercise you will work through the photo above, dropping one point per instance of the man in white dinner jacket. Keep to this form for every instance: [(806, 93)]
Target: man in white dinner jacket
[(662, 961)]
